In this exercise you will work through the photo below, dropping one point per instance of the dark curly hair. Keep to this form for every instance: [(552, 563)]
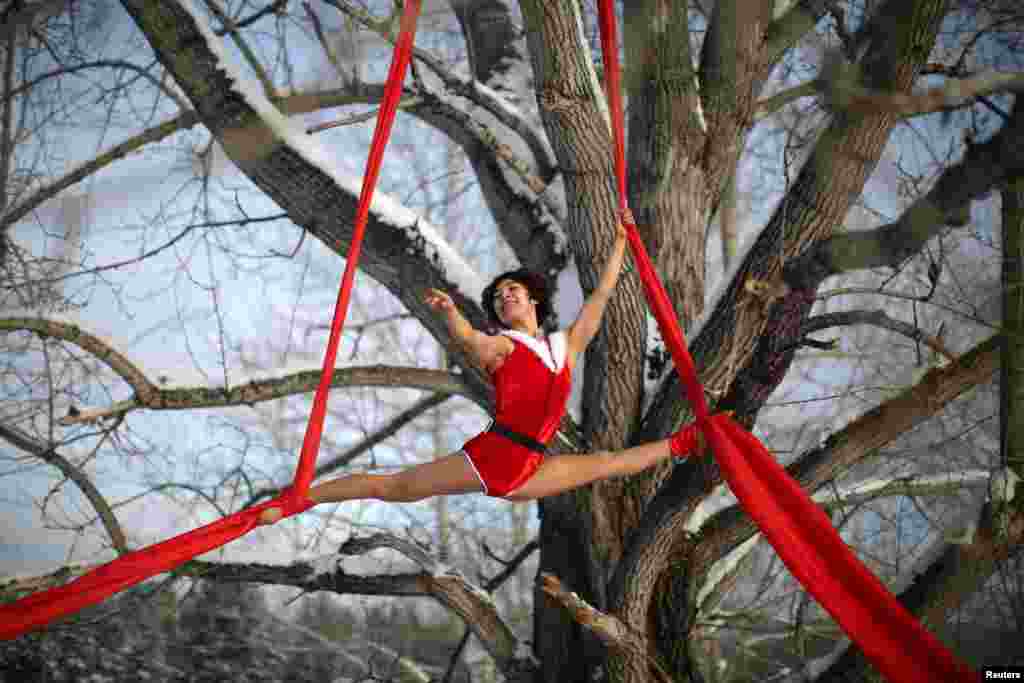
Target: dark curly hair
[(538, 287)]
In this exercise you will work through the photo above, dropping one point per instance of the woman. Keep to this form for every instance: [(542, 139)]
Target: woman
[(532, 375)]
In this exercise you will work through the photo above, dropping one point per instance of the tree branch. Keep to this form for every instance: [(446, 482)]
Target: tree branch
[(145, 390), (957, 573), (613, 632), (785, 31), (50, 456), (515, 187), (473, 90), (724, 572), (148, 395), (877, 318), (435, 580), (984, 168), (858, 441), (741, 337), (844, 91)]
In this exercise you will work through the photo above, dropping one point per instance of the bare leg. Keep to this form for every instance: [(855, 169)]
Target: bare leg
[(560, 473), (449, 475)]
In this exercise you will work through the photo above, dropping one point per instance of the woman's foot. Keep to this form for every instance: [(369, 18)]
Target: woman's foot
[(690, 440), (288, 504), (685, 441), (271, 515)]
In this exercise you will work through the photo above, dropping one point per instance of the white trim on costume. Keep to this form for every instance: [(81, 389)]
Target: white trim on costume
[(553, 358), (475, 470)]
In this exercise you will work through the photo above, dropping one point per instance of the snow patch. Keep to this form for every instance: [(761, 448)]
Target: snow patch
[(385, 207), (719, 499), (657, 362), (963, 536), (721, 569), (781, 7), (325, 565), (965, 478), (595, 83), (699, 111), (1003, 485)]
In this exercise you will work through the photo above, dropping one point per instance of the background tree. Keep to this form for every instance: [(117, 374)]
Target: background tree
[(867, 156)]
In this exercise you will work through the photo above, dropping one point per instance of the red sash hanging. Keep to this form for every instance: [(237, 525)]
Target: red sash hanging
[(131, 568), (801, 533)]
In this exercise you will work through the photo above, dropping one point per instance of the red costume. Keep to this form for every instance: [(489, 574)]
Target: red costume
[(532, 388)]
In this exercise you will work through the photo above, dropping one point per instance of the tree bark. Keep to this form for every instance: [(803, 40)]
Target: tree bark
[(392, 254), (743, 326), (580, 538)]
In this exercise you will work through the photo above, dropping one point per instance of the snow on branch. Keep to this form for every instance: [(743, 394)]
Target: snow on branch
[(13, 585), (476, 92), (453, 590), (434, 579), (946, 483), (254, 391), (293, 168), (729, 527)]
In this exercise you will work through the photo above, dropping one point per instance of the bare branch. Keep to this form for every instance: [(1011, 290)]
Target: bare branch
[(243, 47), (150, 396), (115, 64), (385, 432), (100, 349), (436, 581), (797, 21), (612, 631), (957, 573), (24, 15), (473, 90), (844, 91), (50, 455), (772, 104), (609, 629), (942, 484), (859, 440), (367, 544), (30, 584), (879, 319), (984, 168)]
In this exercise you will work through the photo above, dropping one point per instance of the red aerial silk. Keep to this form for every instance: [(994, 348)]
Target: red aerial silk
[(802, 535), (41, 608)]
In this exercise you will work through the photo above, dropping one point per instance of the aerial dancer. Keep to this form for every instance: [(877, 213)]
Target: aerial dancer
[(532, 375)]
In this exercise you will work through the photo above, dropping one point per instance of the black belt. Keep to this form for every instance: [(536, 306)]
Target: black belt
[(518, 438)]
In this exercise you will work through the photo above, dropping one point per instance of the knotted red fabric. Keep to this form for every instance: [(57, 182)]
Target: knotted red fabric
[(131, 568), (801, 533)]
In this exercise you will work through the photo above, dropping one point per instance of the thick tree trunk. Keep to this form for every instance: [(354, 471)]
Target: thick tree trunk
[(580, 538)]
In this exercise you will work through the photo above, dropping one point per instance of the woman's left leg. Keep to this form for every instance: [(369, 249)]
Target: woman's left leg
[(560, 473)]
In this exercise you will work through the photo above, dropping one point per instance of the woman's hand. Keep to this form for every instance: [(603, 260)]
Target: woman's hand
[(625, 218), (439, 301)]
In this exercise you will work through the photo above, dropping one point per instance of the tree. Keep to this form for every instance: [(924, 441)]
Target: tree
[(842, 127)]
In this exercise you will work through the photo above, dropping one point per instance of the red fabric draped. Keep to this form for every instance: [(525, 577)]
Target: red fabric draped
[(801, 533), (41, 608)]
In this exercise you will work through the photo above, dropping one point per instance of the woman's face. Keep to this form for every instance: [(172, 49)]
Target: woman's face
[(512, 302)]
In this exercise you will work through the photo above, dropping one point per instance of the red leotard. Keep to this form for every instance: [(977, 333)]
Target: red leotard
[(532, 388)]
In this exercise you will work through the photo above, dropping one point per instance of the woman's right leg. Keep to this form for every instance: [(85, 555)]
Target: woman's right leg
[(445, 476)]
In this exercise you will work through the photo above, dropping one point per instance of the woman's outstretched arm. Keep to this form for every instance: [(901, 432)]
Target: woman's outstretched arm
[(485, 349), (588, 322)]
